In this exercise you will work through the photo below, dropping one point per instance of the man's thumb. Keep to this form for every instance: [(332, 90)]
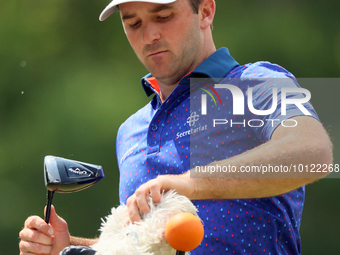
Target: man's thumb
[(58, 223)]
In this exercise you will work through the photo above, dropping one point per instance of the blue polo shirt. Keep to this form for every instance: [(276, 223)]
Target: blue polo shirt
[(155, 141)]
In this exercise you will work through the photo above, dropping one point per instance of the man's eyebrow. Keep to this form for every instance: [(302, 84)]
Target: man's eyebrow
[(158, 8), (128, 16), (161, 7)]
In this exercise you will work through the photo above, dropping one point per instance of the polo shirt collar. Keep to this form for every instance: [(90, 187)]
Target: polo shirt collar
[(217, 65)]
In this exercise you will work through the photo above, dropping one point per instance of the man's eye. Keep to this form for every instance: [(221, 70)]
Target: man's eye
[(164, 18), (134, 25)]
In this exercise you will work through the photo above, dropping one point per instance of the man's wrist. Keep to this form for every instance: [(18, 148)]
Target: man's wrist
[(79, 241)]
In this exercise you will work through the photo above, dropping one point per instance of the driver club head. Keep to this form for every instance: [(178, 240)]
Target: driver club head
[(65, 175)]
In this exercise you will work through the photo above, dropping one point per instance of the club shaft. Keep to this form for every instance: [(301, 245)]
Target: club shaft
[(48, 205)]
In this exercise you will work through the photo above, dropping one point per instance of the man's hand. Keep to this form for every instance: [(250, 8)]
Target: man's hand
[(137, 203), (38, 237)]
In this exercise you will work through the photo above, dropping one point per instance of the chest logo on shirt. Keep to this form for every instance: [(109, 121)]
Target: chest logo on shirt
[(194, 117), (128, 153)]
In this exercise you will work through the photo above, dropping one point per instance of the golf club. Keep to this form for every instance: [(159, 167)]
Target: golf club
[(65, 176)]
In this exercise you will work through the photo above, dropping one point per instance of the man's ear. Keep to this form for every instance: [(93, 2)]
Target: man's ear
[(207, 13)]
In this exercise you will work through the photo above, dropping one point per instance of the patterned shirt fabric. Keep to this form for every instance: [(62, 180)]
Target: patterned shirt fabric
[(156, 141)]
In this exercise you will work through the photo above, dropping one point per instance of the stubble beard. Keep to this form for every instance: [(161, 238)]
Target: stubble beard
[(176, 67)]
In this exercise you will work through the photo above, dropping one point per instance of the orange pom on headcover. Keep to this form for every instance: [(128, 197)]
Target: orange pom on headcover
[(184, 232)]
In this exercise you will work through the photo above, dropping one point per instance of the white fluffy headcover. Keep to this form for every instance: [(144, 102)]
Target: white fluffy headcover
[(142, 238)]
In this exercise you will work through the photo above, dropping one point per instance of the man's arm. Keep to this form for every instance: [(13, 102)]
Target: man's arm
[(80, 241), (307, 143)]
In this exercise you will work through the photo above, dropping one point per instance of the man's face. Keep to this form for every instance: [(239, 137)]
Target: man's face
[(165, 37)]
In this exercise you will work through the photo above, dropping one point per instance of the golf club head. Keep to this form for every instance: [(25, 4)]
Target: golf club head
[(65, 175)]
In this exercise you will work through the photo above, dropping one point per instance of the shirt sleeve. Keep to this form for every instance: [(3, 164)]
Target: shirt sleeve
[(275, 98)]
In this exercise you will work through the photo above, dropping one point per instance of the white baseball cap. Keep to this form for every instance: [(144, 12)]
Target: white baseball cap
[(113, 6)]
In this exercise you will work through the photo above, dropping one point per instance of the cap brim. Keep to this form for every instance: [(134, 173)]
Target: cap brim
[(113, 6)]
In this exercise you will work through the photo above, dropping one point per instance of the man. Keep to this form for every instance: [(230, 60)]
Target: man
[(173, 40)]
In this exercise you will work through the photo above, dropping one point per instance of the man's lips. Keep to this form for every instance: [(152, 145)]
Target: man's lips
[(157, 53)]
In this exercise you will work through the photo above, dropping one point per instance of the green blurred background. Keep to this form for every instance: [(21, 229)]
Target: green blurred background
[(67, 81)]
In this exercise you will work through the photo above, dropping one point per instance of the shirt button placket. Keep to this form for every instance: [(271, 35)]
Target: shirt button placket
[(154, 127), (153, 138)]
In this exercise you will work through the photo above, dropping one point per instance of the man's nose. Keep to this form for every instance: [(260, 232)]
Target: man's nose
[(150, 33)]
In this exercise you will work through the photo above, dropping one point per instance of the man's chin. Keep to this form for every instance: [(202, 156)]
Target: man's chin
[(167, 78)]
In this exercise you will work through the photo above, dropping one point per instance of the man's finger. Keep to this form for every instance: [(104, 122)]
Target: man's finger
[(141, 199), (133, 209), (155, 193), (34, 248), (32, 235), (35, 222)]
